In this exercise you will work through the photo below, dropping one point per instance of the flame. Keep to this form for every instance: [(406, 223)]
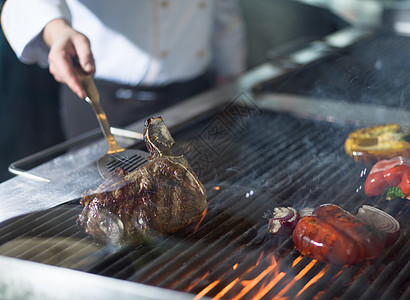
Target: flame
[(314, 280), (206, 290), (296, 278), (268, 278), (260, 258), (269, 286), (216, 188), (250, 284), (297, 260), (202, 218), (257, 280), (195, 282), (226, 289)]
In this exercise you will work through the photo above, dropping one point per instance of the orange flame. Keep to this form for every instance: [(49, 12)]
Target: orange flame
[(269, 286), (260, 258), (313, 280), (202, 218), (226, 289), (296, 278), (246, 286), (268, 278), (216, 188), (297, 260), (250, 284), (195, 282), (206, 290)]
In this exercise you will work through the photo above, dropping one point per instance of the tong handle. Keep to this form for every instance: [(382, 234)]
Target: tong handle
[(93, 98)]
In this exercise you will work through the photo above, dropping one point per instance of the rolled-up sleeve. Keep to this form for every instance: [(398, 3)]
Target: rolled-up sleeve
[(23, 22), (229, 39)]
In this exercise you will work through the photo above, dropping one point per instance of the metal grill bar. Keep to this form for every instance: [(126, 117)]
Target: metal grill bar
[(393, 290), (361, 75), (132, 163), (245, 172), (300, 164), (160, 271)]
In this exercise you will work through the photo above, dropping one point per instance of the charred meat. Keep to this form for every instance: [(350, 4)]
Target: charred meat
[(161, 197)]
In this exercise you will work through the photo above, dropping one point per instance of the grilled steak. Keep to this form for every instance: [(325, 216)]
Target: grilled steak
[(161, 197)]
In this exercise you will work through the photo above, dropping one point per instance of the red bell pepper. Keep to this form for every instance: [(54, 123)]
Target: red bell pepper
[(391, 177)]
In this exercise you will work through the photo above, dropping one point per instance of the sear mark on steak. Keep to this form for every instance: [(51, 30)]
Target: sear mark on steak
[(161, 197)]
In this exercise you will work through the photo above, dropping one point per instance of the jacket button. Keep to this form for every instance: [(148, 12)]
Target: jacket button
[(200, 53), (164, 53)]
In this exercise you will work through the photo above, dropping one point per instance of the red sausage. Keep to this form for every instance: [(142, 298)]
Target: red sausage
[(369, 240), (319, 240), (333, 235)]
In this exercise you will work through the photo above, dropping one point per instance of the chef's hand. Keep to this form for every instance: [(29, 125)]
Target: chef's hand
[(66, 47)]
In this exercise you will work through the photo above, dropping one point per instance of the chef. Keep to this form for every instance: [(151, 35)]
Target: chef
[(145, 54)]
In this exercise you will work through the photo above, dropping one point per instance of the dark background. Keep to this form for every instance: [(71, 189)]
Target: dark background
[(29, 118)]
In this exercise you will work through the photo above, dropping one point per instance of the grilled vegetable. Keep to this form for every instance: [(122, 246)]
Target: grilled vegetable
[(381, 220), (307, 211), (283, 220), (377, 142), (390, 177), (333, 235)]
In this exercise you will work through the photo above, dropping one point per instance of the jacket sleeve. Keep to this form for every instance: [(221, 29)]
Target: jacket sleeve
[(23, 22), (229, 39)]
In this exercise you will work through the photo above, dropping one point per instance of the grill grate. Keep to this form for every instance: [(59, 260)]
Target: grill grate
[(270, 160), (375, 71), (129, 164)]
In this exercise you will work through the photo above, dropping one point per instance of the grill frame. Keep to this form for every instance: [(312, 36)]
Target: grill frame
[(228, 237)]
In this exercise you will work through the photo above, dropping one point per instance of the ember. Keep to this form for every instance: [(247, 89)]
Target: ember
[(202, 218)]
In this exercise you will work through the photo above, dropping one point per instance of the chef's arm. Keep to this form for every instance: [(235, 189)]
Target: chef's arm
[(27, 24), (66, 46), (23, 22)]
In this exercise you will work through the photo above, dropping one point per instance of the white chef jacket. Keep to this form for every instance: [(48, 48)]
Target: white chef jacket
[(136, 42)]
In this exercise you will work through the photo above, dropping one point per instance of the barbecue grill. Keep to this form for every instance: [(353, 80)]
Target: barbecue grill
[(274, 138)]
